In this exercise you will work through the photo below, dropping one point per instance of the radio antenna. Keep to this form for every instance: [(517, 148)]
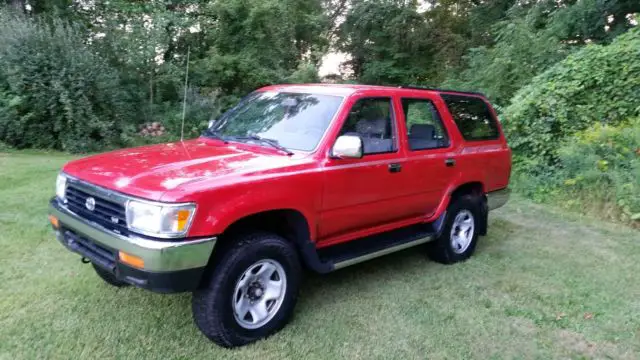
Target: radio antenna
[(184, 99)]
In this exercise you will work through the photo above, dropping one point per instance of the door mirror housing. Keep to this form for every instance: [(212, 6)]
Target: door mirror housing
[(347, 147)]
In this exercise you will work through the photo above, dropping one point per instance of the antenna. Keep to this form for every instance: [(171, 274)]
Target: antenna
[(184, 99)]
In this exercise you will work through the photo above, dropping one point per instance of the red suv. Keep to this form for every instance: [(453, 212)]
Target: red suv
[(294, 176)]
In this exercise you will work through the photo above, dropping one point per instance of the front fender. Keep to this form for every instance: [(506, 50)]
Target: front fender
[(219, 209)]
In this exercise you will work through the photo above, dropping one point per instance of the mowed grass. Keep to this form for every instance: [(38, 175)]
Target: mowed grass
[(542, 284)]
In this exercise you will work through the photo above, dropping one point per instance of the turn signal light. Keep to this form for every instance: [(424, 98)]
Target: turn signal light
[(131, 260), (183, 219), (54, 221)]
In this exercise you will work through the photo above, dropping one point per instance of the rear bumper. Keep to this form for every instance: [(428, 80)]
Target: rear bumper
[(497, 199), (169, 266)]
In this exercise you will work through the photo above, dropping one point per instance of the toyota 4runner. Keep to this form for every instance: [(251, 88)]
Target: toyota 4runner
[(294, 176)]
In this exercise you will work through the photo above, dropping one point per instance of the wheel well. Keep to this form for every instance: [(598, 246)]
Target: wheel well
[(288, 223), (475, 187)]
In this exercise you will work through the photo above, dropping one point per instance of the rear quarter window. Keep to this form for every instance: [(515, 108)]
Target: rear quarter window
[(472, 117)]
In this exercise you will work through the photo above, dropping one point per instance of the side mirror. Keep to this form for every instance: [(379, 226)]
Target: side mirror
[(347, 147)]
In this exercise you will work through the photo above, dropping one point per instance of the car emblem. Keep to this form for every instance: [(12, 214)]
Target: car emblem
[(90, 203)]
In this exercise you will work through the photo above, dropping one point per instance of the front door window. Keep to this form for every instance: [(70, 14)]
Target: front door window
[(372, 120)]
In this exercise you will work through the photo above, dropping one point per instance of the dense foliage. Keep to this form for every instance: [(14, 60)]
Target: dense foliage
[(257, 42), (519, 54), (599, 171), (598, 84), (90, 75), (385, 54), (55, 92)]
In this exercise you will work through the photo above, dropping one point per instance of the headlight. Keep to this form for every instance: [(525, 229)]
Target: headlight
[(159, 219), (61, 186)]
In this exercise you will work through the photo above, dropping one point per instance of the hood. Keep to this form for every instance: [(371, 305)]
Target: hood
[(151, 171)]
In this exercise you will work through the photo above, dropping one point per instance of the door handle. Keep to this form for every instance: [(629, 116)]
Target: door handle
[(395, 167), (450, 162)]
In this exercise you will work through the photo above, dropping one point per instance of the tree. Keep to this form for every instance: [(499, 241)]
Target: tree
[(257, 42), (519, 53), (55, 92), (387, 41), (598, 21), (531, 37)]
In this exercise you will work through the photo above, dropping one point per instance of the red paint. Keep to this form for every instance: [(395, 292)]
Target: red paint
[(341, 199)]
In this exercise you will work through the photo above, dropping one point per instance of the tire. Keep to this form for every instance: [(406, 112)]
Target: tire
[(459, 236), (228, 307), (108, 277)]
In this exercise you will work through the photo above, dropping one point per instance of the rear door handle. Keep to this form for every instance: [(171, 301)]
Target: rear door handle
[(395, 167), (450, 162)]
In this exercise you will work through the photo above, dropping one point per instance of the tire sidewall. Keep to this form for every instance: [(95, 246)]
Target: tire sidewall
[(231, 268), (463, 203)]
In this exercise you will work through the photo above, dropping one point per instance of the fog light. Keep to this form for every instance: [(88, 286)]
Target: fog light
[(131, 260), (54, 221)]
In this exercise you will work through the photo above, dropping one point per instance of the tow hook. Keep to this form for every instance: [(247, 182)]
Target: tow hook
[(85, 260)]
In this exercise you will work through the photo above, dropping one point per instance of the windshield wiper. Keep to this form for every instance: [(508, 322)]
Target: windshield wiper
[(215, 135), (273, 143)]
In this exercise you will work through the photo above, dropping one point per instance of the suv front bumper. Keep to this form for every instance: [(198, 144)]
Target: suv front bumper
[(169, 266)]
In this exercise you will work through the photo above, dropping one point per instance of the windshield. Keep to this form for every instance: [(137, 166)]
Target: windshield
[(292, 120)]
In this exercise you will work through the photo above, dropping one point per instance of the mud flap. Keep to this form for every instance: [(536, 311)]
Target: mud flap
[(484, 210), (438, 225)]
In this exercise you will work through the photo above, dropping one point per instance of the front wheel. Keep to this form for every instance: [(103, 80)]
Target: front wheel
[(251, 292), (458, 239)]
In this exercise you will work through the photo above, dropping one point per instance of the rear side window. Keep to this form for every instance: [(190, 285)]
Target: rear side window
[(424, 127), (472, 116)]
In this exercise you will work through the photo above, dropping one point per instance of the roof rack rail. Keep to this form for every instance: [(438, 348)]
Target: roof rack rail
[(442, 90)]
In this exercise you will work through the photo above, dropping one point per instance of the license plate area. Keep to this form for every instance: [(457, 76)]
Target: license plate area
[(97, 254)]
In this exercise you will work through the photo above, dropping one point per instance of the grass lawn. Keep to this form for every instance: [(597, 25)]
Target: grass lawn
[(543, 284)]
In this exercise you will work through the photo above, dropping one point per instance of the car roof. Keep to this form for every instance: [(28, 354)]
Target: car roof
[(348, 89)]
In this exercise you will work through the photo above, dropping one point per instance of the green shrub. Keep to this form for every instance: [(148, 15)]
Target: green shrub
[(606, 159), (598, 84), (4, 147), (521, 51), (55, 92), (200, 109), (598, 171)]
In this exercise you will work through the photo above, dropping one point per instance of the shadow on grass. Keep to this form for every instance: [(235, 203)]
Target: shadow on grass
[(500, 231), (318, 290)]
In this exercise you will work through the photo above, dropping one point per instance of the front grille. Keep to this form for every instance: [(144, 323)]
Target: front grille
[(108, 214), (97, 254)]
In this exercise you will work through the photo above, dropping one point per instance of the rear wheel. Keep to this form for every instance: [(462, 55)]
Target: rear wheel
[(251, 292), (108, 277), (458, 239)]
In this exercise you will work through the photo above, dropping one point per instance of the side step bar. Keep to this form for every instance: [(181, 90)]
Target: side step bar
[(335, 257), (382, 252), (353, 252)]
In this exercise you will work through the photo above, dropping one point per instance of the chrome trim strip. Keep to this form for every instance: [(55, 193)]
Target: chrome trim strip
[(497, 199), (158, 256), (382, 252)]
